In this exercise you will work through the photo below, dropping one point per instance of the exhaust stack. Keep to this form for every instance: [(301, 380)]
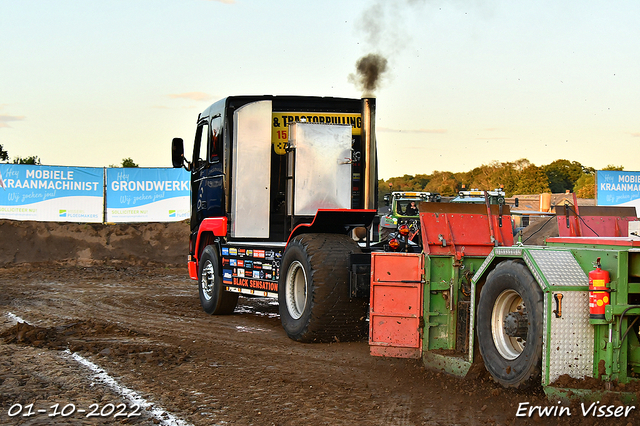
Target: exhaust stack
[(370, 149)]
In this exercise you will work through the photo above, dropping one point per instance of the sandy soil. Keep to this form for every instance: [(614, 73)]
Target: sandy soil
[(138, 318), (86, 244)]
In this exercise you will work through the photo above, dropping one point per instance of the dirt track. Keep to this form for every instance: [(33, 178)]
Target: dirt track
[(143, 325)]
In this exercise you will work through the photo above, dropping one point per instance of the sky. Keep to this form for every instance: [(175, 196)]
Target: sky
[(468, 82)]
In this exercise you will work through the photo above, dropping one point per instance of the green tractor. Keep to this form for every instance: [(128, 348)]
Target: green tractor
[(403, 210), (475, 196)]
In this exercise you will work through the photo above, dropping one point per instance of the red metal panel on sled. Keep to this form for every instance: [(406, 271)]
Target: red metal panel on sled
[(458, 230), (396, 305), (594, 221)]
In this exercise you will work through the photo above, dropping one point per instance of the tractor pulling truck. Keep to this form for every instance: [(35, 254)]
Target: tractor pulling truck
[(553, 314), (278, 186)]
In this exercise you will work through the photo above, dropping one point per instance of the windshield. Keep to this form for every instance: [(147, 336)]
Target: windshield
[(407, 207)]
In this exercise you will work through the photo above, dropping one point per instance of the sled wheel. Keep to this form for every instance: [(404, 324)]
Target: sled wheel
[(509, 325), (213, 298), (313, 291)]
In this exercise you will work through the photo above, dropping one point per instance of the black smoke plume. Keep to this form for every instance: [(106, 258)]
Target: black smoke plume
[(369, 72), (383, 28)]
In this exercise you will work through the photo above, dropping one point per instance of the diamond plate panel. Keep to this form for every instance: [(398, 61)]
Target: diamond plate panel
[(482, 268), (545, 339), (570, 342), (530, 264), (559, 268), (508, 251), (498, 251)]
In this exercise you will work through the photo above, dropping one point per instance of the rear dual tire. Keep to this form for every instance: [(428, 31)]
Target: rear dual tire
[(313, 292)]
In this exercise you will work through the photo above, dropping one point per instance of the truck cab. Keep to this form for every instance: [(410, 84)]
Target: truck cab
[(273, 172)]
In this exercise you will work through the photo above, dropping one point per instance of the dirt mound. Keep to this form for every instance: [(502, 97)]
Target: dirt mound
[(60, 336), (86, 244), (106, 340), (591, 383)]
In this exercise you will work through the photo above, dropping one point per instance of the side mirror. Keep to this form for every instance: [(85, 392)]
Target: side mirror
[(386, 199), (177, 152), (516, 202)]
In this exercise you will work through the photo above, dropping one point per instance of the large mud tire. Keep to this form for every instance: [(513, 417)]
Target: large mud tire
[(511, 361), (213, 299), (313, 293)]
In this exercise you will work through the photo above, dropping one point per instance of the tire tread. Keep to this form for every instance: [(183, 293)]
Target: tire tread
[(515, 270), (335, 316)]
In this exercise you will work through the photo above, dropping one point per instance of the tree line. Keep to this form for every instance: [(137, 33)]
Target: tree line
[(35, 160), (4, 156), (517, 177)]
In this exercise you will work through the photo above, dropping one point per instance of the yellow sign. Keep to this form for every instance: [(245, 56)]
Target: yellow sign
[(281, 120)]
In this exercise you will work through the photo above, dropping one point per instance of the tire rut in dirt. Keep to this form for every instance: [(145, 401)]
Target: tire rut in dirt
[(43, 377)]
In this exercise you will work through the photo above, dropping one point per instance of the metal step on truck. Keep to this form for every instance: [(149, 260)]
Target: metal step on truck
[(282, 189), (564, 315)]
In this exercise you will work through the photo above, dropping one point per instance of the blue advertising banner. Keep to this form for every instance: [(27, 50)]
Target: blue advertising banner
[(614, 188), (147, 195), (51, 193)]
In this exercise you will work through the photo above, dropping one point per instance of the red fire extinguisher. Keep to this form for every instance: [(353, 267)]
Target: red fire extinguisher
[(599, 293)]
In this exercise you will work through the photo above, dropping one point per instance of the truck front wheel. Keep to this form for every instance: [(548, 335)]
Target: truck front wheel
[(509, 325), (213, 299), (313, 293)]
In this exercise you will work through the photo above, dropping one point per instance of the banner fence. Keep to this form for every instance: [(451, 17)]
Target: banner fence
[(93, 194), (618, 188), (124, 195)]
